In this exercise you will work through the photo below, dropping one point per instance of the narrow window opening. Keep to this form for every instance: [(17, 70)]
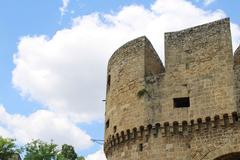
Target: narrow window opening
[(181, 102), (235, 117), (115, 129), (140, 147), (107, 124), (108, 81), (187, 66)]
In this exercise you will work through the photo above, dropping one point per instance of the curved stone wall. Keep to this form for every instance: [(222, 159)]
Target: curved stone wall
[(201, 139), (127, 69)]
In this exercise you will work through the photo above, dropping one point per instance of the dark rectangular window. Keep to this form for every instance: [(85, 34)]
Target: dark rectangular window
[(140, 147), (107, 124), (108, 82), (181, 102)]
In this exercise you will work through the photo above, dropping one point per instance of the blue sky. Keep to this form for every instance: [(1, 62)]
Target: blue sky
[(60, 59)]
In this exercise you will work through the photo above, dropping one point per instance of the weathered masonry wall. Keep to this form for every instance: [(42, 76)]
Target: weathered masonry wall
[(126, 71), (199, 65), (200, 141), (187, 110), (237, 76)]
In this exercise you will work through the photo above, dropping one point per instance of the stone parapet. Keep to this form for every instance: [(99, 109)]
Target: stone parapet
[(167, 129)]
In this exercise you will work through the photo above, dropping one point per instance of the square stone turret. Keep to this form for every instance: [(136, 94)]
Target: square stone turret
[(199, 68)]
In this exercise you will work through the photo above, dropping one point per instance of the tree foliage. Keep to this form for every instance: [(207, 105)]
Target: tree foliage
[(39, 150), (81, 158), (8, 148), (67, 153)]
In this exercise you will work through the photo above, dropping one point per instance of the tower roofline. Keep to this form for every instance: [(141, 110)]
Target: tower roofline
[(210, 24), (128, 45)]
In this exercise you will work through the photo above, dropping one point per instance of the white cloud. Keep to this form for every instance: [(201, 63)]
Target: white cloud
[(4, 132), (67, 72), (208, 2), (99, 155), (63, 8), (235, 35), (44, 125)]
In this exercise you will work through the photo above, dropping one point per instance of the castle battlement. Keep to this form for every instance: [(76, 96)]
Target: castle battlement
[(184, 128), (187, 109)]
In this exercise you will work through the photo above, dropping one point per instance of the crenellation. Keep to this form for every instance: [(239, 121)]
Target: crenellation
[(168, 130), (188, 109)]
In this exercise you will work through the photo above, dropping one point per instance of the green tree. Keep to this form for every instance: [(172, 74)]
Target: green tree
[(81, 158), (67, 153), (8, 148), (39, 150)]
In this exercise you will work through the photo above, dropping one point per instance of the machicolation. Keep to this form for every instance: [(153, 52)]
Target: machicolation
[(185, 110)]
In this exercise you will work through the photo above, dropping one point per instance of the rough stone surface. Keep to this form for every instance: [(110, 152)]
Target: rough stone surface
[(142, 121)]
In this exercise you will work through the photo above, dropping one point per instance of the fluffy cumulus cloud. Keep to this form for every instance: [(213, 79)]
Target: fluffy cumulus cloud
[(64, 6), (67, 72), (99, 155), (44, 125)]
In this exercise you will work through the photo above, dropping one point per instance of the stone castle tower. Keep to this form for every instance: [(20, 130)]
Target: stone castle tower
[(185, 110)]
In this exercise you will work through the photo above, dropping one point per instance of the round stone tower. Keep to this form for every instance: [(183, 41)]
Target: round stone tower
[(127, 69)]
